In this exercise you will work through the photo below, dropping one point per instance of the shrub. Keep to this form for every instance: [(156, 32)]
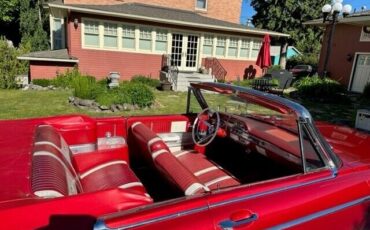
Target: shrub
[(85, 87), (64, 80), (42, 82), (113, 96), (317, 88), (138, 93), (366, 93), (145, 80), (311, 60), (273, 68), (10, 66), (248, 82)]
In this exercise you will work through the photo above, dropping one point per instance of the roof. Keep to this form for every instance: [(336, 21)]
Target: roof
[(138, 11), (359, 17), (49, 55)]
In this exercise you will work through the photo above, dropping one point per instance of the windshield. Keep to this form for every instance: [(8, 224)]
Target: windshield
[(237, 104)]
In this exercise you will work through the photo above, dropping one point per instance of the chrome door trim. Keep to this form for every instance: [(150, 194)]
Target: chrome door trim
[(100, 224), (320, 214), (249, 197)]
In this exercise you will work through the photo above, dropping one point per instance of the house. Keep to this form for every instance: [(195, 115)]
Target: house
[(349, 62), (131, 37), (275, 53)]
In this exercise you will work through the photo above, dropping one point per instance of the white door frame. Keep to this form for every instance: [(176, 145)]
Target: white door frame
[(353, 71), (185, 46)]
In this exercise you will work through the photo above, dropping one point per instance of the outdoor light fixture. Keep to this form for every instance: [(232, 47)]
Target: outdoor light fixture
[(75, 23), (331, 14)]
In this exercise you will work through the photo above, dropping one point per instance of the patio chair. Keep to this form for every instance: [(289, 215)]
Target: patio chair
[(285, 79)]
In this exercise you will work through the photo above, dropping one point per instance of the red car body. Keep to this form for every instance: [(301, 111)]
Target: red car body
[(335, 194)]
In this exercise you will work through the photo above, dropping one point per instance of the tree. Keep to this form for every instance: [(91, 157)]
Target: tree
[(8, 9), (288, 16), (31, 25)]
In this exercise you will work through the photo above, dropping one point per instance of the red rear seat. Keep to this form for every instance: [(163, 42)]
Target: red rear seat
[(53, 173), (178, 167)]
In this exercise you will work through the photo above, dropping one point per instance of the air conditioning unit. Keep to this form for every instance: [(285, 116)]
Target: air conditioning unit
[(363, 119)]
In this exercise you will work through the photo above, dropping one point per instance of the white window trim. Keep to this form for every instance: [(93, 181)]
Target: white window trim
[(362, 36), (201, 9), (153, 50)]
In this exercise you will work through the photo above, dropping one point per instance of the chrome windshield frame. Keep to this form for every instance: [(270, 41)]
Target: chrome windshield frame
[(303, 115)]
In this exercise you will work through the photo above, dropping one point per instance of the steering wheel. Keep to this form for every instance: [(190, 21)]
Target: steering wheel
[(205, 127)]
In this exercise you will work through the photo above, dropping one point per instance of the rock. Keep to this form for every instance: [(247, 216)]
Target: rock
[(136, 107), (103, 107), (85, 102), (113, 108), (71, 99), (119, 107), (76, 101), (131, 107), (126, 107)]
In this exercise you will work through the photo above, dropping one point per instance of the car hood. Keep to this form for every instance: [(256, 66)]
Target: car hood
[(351, 145)]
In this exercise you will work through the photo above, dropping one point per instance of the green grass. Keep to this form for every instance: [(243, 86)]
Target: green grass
[(15, 104)]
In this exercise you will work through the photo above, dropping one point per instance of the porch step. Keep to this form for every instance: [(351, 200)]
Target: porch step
[(184, 79)]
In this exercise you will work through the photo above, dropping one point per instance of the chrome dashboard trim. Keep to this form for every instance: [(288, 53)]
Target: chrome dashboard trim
[(319, 214)]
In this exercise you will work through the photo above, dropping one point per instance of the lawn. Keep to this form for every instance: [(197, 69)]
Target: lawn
[(26, 104)]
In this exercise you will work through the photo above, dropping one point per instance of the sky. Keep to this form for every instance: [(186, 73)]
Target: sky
[(248, 12)]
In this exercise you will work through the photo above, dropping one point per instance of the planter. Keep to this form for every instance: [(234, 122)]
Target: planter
[(113, 79), (166, 86)]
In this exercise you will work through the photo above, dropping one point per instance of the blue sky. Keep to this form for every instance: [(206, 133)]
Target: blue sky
[(248, 12)]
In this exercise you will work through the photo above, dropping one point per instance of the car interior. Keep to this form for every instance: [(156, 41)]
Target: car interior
[(155, 158)]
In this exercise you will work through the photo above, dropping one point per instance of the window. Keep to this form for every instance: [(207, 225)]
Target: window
[(201, 4), (110, 35), (220, 46), (128, 37), (244, 48), (145, 42), (208, 45), (58, 34), (233, 47), (91, 33), (161, 40), (256, 48)]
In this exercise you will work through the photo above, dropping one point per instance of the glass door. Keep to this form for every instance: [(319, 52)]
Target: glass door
[(184, 53)]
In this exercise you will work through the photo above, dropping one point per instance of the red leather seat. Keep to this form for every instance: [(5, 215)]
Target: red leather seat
[(53, 173), (184, 165)]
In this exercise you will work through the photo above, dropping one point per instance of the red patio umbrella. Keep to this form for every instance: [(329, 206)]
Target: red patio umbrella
[(264, 57)]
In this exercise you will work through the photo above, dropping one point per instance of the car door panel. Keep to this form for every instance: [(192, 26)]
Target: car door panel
[(288, 200)]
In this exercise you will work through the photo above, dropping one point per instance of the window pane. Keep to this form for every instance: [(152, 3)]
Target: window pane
[(161, 46), (255, 53), (161, 35), (244, 53), (145, 44), (201, 4), (110, 41), (145, 33), (91, 40), (128, 43), (91, 33), (220, 51), (233, 52), (57, 34), (207, 50), (128, 31), (110, 29)]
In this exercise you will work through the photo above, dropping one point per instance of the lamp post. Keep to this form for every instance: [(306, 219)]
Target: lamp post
[(331, 15)]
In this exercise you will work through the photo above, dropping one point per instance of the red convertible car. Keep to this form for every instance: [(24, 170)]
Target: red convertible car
[(237, 159)]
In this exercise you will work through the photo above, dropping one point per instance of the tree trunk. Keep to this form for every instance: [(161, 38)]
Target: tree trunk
[(283, 54)]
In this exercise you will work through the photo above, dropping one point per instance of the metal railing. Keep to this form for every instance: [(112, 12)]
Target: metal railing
[(217, 69), (172, 70)]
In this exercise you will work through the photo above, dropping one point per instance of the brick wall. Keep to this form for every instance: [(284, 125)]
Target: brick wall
[(236, 69), (48, 70), (346, 41), (227, 10)]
